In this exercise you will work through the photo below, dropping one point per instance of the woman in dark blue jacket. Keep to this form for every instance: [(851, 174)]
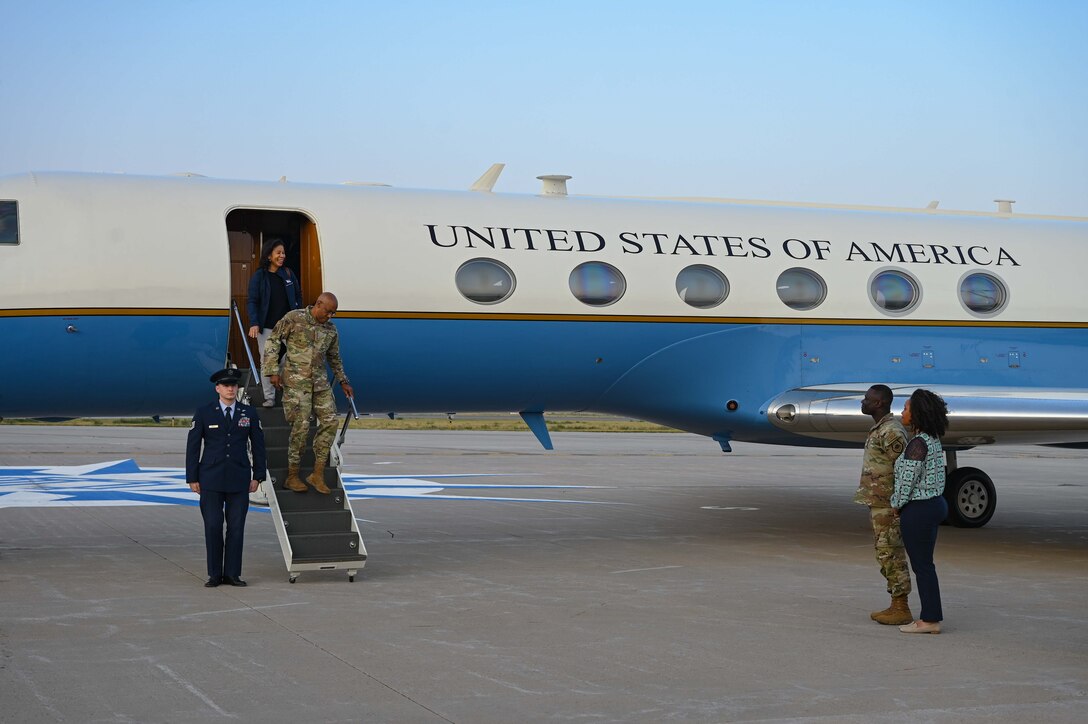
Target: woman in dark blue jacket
[(273, 292)]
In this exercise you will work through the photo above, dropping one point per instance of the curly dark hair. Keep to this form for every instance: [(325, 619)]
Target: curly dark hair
[(266, 249), (928, 412)]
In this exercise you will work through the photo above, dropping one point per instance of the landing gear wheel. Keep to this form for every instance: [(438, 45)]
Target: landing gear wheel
[(971, 498), (293, 578)]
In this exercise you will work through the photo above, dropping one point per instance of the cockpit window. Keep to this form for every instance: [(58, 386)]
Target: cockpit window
[(801, 289), (9, 222)]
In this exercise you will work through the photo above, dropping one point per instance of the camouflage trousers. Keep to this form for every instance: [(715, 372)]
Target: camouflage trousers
[(298, 405), (890, 553)]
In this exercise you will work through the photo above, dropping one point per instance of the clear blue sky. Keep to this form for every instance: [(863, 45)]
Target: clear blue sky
[(881, 102)]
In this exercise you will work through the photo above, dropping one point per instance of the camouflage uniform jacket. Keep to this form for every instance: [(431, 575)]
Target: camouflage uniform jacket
[(883, 446), (309, 345)]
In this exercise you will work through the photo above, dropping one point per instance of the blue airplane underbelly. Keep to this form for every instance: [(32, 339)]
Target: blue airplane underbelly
[(679, 374), (108, 365)]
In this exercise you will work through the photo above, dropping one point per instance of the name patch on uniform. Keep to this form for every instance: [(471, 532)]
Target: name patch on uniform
[(213, 427)]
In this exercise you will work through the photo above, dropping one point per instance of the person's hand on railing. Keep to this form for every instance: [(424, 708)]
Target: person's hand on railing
[(347, 390)]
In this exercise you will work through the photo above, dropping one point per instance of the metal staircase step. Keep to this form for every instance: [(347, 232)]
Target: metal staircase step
[(318, 521), (339, 560), (316, 532), (277, 457), (290, 502), (330, 546), (275, 436), (279, 475)]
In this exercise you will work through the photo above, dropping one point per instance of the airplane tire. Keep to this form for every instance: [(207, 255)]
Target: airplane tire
[(971, 496)]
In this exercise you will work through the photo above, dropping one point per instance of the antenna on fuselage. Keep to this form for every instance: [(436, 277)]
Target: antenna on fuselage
[(487, 182), (933, 204), (1004, 206), (554, 184)]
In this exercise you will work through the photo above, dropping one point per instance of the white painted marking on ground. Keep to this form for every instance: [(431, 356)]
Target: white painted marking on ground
[(237, 610), (726, 507), (193, 690), (638, 570)]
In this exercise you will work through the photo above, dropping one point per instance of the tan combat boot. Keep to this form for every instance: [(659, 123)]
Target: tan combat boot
[(896, 614), (317, 480), (294, 482)]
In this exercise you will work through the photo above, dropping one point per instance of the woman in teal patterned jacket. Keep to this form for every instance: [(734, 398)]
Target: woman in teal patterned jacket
[(919, 501)]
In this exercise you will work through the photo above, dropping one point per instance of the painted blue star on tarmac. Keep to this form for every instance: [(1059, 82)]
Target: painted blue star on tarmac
[(124, 483)]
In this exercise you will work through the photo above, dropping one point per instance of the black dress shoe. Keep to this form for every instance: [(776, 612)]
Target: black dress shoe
[(212, 582), (233, 581)]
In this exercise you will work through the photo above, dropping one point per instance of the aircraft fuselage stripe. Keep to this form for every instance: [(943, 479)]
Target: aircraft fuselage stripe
[(116, 312), (484, 316)]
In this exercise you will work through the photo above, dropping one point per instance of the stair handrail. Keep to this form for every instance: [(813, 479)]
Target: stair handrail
[(262, 496), (347, 419), (242, 331)]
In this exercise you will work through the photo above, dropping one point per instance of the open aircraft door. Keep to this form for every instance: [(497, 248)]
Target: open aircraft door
[(247, 232)]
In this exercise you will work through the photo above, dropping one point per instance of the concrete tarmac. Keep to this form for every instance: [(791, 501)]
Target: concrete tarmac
[(691, 586)]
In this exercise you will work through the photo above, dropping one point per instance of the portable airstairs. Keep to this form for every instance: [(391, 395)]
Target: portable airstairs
[(316, 532)]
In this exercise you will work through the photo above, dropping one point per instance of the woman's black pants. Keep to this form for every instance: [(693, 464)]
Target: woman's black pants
[(919, 521)]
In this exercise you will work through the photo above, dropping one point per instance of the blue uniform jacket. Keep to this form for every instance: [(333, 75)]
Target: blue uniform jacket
[(260, 292), (224, 465)]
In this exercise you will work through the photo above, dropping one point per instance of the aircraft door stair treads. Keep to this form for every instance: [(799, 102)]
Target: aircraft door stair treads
[(316, 532)]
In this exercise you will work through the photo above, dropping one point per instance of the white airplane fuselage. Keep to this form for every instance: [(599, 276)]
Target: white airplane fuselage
[(117, 301)]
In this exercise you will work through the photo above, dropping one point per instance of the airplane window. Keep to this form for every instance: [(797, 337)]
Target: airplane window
[(801, 289), (702, 286), (597, 284), (893, 291), (484, 281), (9, 222), (983, 293)]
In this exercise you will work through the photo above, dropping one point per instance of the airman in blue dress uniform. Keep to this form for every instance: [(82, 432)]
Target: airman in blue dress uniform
[(224, 475)]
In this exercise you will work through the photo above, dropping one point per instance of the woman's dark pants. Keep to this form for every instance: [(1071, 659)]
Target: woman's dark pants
[(919, 521)]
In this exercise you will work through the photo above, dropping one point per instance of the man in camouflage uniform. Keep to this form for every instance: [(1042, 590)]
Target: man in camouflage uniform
[(311, 339), (885, 443)]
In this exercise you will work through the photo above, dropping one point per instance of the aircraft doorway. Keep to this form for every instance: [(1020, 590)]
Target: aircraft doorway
[(247, 231)]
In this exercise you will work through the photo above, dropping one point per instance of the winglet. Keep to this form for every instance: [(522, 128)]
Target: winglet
[(486, 182), (536, 423)]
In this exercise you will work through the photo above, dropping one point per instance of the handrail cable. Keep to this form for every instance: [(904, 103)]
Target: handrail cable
[(242, 331)]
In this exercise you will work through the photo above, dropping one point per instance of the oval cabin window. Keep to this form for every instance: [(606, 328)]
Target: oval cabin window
[(701, 286), (894, 291), (983, 293), (801, 289), (597, 284), (484, 281)]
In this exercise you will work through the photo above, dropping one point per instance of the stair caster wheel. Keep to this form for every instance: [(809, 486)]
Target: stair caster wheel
[(351, 576), (293, 578)]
